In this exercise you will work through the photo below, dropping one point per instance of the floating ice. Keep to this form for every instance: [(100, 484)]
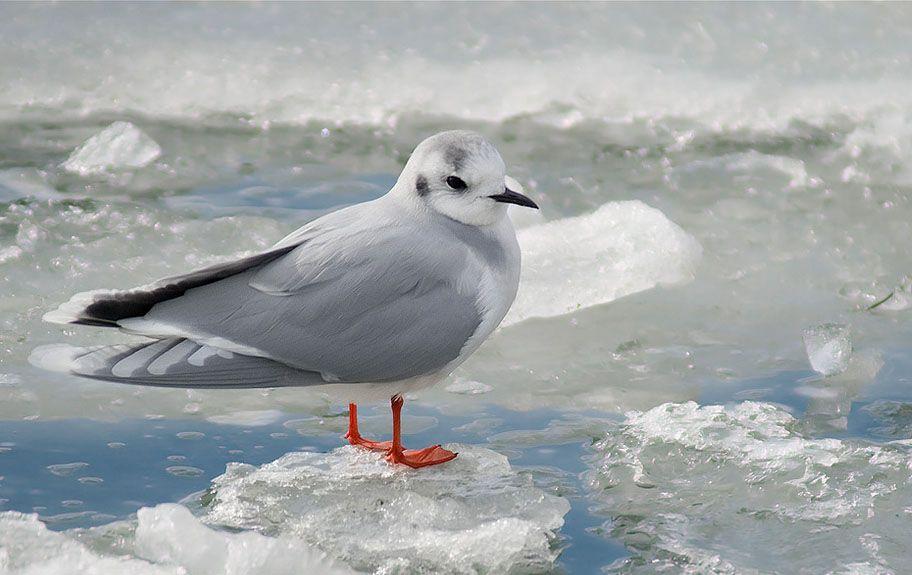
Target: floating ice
[(166, 540), (694, 489), (829, 348), (754, 162), (254, 418), (468, 387), (472, 515), (67, 469), (620, 249), (119, 146), (893, 418)]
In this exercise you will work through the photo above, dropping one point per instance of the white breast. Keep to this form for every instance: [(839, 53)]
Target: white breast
[(495, 287)]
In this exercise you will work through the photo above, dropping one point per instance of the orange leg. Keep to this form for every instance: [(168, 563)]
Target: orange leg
[(355, 438), (412, 457)]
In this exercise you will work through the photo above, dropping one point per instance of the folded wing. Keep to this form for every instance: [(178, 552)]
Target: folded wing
[(171, 362), (350, 303)]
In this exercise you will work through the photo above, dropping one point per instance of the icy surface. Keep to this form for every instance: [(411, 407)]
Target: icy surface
[(829, 348), (694, 489), (620, 249), (473, 515), (608, 68), (165, 540), (119, 146), (794, 184)]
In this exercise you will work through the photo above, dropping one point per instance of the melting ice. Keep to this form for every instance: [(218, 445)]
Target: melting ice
[(317, 513), (119, 146), (165, 540), (700, 489), (477, 515)]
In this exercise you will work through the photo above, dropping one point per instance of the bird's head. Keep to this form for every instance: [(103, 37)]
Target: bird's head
[(461, 175)]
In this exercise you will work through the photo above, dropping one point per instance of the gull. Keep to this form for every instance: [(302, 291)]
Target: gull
[(372, 301)]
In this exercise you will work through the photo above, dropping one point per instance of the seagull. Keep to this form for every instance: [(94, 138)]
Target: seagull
[(369, 302)]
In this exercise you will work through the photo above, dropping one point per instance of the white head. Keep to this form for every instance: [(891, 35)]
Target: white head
[(460, 174)]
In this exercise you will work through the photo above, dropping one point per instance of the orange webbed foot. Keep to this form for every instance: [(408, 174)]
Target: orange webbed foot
[(356, 439), (416, 458)]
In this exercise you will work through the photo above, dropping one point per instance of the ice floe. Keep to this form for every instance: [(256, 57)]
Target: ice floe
[(698, 489), (473, 515), (165, 540), (317, 513), (620, 249), (120, 146)]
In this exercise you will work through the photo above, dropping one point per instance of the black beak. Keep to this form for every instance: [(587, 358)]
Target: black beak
[(511, 197)]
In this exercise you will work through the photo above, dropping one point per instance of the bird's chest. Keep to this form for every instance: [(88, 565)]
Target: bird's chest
[(496, 284)]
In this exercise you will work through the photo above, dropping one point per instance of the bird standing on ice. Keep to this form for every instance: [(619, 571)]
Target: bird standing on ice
[(371, 301)]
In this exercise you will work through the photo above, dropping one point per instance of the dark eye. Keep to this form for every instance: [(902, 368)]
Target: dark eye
[(455, 183)]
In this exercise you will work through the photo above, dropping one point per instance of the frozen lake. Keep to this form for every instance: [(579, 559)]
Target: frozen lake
[(707, 369)]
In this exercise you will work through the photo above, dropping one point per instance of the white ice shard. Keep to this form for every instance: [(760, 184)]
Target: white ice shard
[(620, 249), (468, 387), (248, 418), (167, 540), (829, 348), (472, 515), (696, 489), (120, 146)]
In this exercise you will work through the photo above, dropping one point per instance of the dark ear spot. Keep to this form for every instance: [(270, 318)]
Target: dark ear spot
[(421, 186)]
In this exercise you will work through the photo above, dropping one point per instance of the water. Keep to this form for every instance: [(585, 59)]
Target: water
[(716, 182)]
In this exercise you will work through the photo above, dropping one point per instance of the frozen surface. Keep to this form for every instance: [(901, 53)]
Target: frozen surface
[(119, 146), (620, 249), (473, 515), (694, 489), (829, 348), (164, 540)]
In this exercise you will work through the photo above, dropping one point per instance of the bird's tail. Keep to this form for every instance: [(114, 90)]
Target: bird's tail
[(172, 362)]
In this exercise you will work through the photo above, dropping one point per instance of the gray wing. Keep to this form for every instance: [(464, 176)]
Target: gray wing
[(171, 362), (105, 308), (353, 303)]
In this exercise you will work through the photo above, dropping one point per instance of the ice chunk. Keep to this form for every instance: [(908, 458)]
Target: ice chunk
[(696, 489), (119, 146), (248, 418), (829, 348), (28, 547), (620, 249), (167, 540), (67, 469), (754, 162), (893, 418), (474, 514), (468, 387), (169, 534)]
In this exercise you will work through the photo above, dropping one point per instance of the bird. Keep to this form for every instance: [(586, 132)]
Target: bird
[(368, 302)]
